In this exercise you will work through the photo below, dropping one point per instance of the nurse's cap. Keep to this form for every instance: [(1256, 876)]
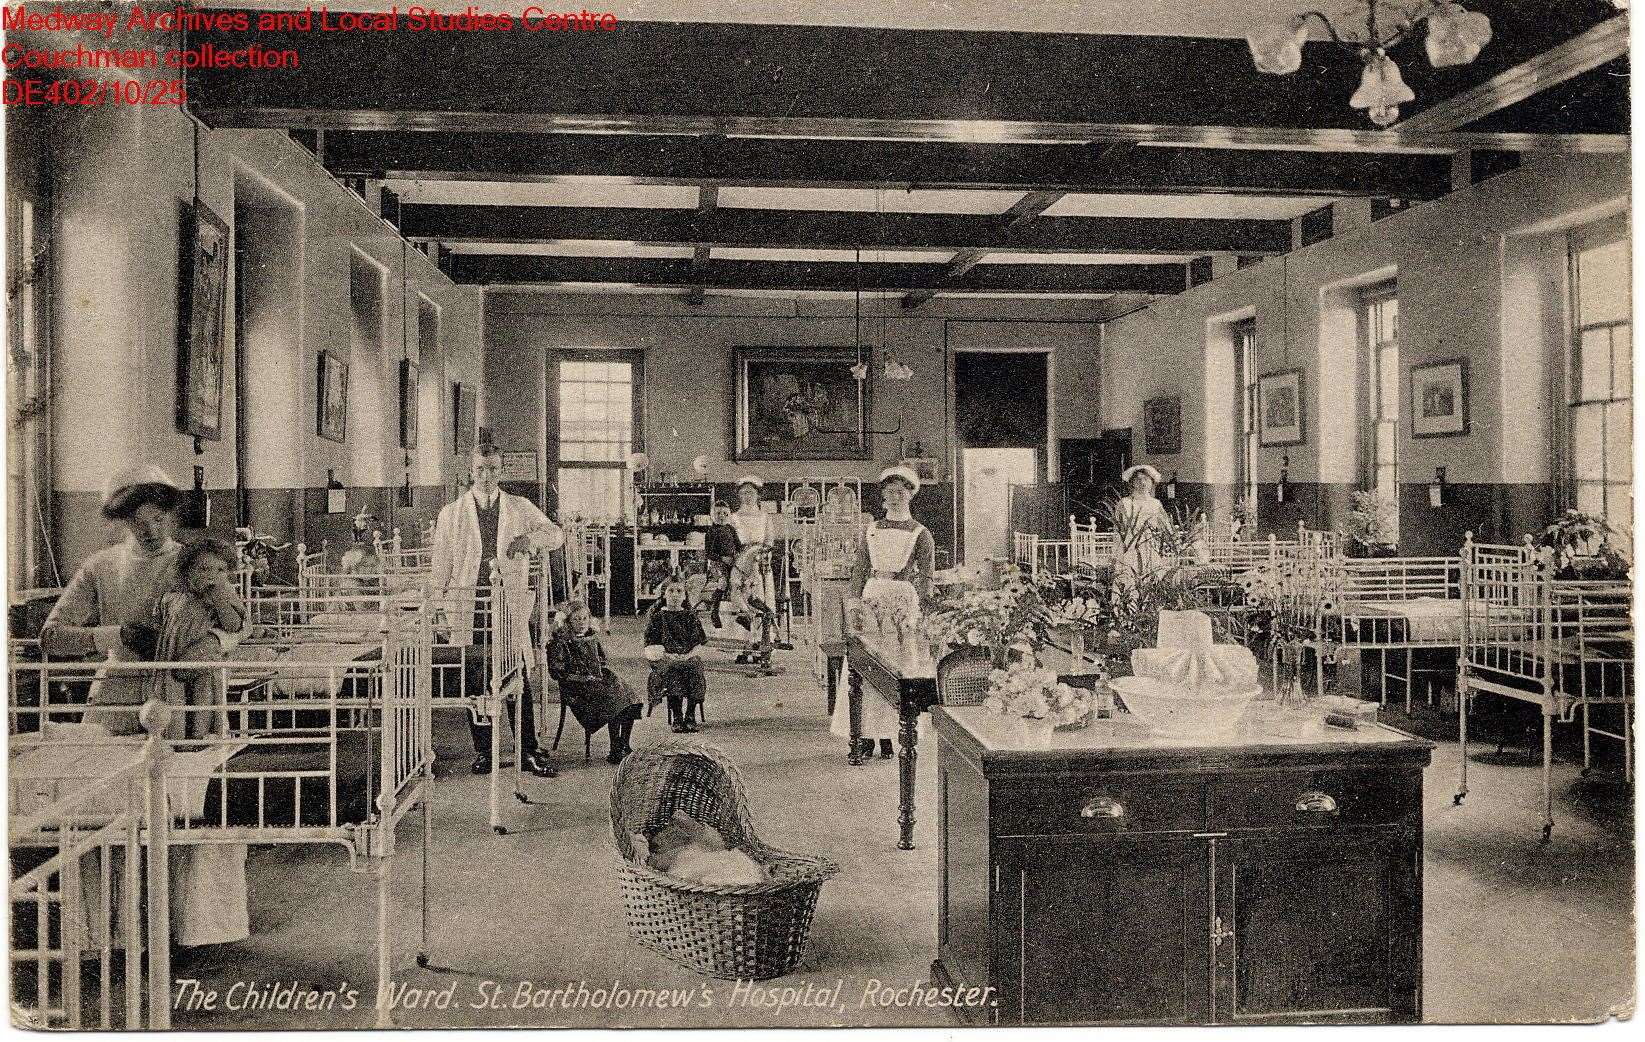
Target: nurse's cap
[(1141, 468), (905, 473), (145, 474), (751, 479)]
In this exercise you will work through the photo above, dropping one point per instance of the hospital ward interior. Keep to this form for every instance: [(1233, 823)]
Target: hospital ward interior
[(822, 514)]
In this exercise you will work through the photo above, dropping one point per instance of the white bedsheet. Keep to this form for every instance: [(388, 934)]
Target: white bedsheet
[(75, 755), (319, 682)]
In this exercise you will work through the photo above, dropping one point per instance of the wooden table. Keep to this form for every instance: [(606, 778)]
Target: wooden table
[(1114, 876), (906, 677)]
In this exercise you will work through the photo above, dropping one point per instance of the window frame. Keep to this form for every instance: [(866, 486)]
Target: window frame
[(1244, 336), (1602, 233), (1374, 410), (551, 410), (30, 556)]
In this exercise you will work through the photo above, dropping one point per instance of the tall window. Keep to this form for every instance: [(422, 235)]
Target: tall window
[(1379, 321), (28, 471), (1245, 448), (1599, 377), (597, 394)]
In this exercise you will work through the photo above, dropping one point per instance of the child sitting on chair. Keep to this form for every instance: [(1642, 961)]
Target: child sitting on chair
[(674, 640), (596, 696), (188, 617)]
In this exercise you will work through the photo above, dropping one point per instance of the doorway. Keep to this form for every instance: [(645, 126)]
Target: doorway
[(987, 476), (1002, 429)]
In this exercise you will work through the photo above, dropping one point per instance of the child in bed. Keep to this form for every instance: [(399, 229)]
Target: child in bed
[(207, 601), (674, 640), (597, 696)]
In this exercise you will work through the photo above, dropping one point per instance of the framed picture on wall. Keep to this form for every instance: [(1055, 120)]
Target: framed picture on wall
[(1439, 399), (798, 404), (1162, 426), (1280, 408), (465, 413), (201, 313), (408, 403), (332, 413)]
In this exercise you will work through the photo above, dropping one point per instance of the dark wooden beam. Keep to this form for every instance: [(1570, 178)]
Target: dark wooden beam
[(817, 229), (513, 269), (708, 197), (1021, 212), (838, 81), (751, 162), (1583, 53)]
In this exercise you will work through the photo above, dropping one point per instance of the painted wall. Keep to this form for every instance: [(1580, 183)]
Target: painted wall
[(123, 179), (688, 361), (1481, 276)]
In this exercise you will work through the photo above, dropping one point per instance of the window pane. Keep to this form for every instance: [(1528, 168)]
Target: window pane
[(1388, 395), (1594, 376), (1590, 497), (1619, 441), (590, 493), (1602, 283), (1387, 438), (1588, 442), (1622, 361), (570, 411), (1619, 515)]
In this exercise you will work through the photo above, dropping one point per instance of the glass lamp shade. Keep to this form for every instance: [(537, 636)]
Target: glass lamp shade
[(1276, 48), (1382, 89), (1456, 35), (895, 370)]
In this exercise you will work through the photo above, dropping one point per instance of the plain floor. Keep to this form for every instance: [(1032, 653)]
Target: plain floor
[(1514, 930)]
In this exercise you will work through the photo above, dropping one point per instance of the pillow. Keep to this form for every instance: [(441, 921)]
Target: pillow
[(688, 849), (717, 867)]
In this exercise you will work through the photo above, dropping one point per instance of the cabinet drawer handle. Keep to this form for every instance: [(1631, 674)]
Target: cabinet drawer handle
[(1316, 803), (1103, 807)]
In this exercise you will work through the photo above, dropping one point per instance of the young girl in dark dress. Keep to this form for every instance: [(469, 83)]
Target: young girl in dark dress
[(674, 640), (597, 696)]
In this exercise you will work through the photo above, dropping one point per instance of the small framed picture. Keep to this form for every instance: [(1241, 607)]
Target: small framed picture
[(1280, 408), (332, 414), (1439, 399), (925, 467), (1162, 426)]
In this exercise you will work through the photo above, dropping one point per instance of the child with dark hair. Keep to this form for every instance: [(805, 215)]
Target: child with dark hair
[(720, 546), (674, 640), (207, 602), (597, 696)]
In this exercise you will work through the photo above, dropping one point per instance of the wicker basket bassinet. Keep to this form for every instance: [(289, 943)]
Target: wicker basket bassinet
[(748, 932)]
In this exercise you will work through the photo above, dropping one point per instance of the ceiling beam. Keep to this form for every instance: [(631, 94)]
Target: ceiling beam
[(841, 81), (776, 163), (1603, 43), (1021, 212), (843, 230), (708, 197), (1027, 279)]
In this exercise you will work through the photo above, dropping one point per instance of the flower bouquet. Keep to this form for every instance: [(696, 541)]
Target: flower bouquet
[(1004, 621), (1026, 690)]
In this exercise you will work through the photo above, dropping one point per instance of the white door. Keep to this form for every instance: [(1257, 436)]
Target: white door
[(988, 475)]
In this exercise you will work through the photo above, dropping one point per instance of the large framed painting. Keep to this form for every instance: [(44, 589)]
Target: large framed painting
[(201, 315), (799, 403), (1279, 408), (1162, 426), (1439, 399), (331, 421), (408, 403), (464, 415)]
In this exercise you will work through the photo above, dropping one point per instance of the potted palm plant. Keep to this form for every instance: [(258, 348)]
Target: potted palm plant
[(1372, 529)]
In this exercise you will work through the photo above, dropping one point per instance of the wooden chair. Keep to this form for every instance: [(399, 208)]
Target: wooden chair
[(962, 677)]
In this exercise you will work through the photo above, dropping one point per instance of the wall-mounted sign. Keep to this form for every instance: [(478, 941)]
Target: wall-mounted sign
[(519, 466)]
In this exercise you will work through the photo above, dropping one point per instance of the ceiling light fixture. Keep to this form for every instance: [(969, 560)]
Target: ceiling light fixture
[(1455, 37)]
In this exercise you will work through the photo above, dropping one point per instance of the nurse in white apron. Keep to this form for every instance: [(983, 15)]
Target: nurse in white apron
[(895, 563), (753, 527), (1139, 522)]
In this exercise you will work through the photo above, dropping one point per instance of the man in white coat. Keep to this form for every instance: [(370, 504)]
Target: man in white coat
[(486, 525)]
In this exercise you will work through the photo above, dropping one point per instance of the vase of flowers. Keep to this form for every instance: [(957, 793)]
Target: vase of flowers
[(1372, 525), (1578, 546), (1005, 621)]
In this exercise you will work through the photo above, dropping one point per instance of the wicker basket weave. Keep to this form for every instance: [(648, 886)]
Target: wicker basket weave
[(750, 932)]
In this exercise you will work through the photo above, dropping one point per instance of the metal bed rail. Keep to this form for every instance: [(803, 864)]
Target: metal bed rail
[(63, 852)]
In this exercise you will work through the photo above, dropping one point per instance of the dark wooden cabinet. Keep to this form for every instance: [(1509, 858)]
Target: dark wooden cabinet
[(1108, 881)]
